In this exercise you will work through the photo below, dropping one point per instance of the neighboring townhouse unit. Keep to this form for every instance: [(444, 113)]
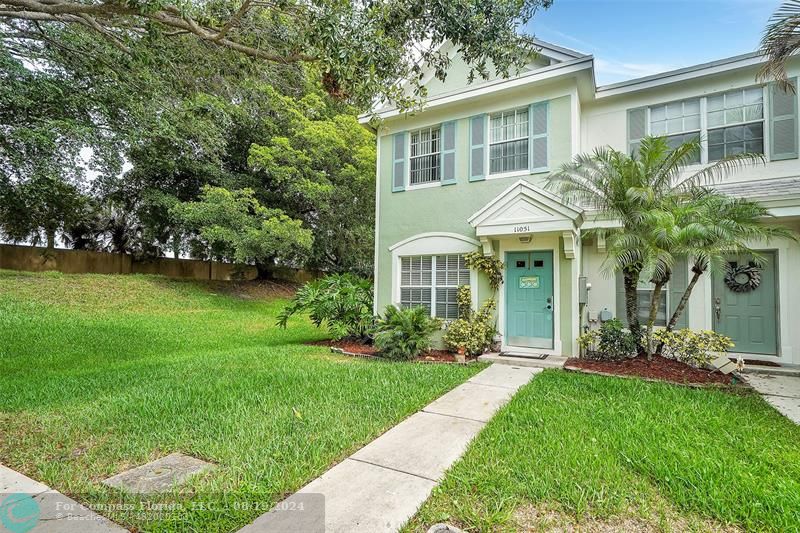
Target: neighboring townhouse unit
[(468, 172)]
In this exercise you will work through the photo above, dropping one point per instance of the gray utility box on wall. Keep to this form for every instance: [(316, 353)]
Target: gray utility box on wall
[(583, 290)]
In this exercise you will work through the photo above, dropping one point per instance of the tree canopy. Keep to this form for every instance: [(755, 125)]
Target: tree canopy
[(358, 51)]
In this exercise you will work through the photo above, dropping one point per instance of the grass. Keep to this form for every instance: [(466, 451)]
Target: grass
[(102, 373), (596, 449)]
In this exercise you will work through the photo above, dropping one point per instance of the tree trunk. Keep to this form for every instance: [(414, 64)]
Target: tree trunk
[(655, 302), (176, 245), (51, 238), (684, 299), (673, 320), (631, 282)]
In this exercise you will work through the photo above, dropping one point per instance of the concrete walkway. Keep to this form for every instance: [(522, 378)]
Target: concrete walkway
[(783, 392), (29, 506), (382, 485)]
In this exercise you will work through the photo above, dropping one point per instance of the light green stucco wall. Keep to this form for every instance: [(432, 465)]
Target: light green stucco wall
[(404, 214)]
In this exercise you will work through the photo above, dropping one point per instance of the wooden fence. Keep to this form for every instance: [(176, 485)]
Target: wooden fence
[(35, 259)]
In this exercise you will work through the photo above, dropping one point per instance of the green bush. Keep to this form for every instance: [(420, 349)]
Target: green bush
[(403, 334), (342, 302), (473, 332), (611, 342), (697, 348)]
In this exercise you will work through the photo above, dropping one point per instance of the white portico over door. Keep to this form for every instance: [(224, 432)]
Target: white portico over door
[(524, 209), (536, 234)]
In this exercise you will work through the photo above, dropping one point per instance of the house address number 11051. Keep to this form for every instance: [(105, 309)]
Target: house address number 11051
[(522, 229)]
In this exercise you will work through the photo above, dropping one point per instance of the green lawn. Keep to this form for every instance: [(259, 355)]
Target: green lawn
[(598, 452), (101, 373)]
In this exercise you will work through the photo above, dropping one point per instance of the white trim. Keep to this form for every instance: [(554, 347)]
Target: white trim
[(419, 250), (376, 253), (562, 218), (684, 74), (433, 243), (535, 76), (428, 185), (550, 244), (512, 174)]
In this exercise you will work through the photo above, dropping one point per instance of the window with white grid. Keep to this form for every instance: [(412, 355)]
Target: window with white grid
[(432, 282), (508, 141), (735, 123), (425, 156), (678, 121)]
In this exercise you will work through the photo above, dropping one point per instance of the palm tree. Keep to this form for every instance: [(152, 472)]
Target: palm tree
[(781, 39), (718, 225), (642, 191)]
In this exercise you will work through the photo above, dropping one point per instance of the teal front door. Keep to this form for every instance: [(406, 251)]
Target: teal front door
[(745, 313), (529, 299)]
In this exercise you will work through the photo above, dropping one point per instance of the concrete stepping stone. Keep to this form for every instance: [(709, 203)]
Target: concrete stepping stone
[(160, 475)]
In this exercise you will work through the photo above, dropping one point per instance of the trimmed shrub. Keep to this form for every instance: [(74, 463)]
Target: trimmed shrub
[(611, 342), (403, 334), (697, 348), (341, 302), (474, 332)]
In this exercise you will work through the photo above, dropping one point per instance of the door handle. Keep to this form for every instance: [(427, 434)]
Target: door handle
[(717, 308)]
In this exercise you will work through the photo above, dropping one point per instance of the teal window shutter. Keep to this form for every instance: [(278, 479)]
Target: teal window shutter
[(448, 160), (477, 147), (783, 122), (677, 286), (637, 128), (538, 127), (399, 162)]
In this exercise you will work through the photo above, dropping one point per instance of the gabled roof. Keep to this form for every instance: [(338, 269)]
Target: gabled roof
[(524, 204)]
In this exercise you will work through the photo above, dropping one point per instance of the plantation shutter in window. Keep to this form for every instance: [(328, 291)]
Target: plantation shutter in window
[(637, 128), (477, 147), (399, 162), (677, 286), (621, 314), (538, 137), (783, 122), (449, 153)]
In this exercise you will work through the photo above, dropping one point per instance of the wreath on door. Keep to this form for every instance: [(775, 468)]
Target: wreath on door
[(743, 278)]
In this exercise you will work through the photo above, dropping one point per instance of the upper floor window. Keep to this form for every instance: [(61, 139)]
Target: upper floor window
[(678, 121), (425, 156), (508, 141), (735, 123), (729, 123), (432, 281)]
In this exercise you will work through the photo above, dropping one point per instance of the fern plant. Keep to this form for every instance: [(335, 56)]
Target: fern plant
[(403, 334)]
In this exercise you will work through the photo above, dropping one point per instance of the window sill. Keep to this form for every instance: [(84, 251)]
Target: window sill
[(515, 174), (424, 186)]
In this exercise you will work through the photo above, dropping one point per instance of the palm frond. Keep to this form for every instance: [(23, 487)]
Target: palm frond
[(781, 39)]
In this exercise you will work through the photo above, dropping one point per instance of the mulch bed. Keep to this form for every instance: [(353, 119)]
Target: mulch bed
[(659, 369), (349, 347)]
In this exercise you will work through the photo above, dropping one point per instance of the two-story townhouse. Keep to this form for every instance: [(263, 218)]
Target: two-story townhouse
[(468, 173)]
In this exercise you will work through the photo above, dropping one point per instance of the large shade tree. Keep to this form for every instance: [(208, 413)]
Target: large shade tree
[(359, 51)]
